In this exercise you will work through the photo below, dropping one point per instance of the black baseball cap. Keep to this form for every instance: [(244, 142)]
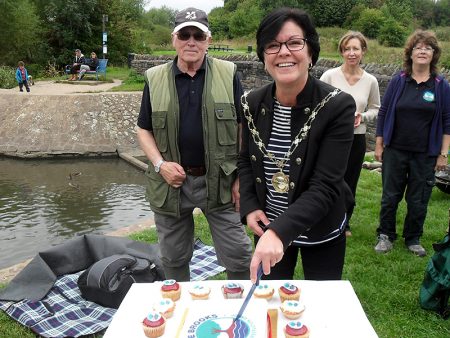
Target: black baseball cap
[(191, 17)]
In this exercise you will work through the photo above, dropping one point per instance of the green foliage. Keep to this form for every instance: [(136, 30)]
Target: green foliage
[(7, 77), (218, 23), (328, 13), (370, 22), (392, 34), (353, 16), (400, 10), (245, 20)]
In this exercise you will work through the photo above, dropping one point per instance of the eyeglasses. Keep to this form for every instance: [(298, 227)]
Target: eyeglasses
[(293, 44), (198, 36), (424, 49)]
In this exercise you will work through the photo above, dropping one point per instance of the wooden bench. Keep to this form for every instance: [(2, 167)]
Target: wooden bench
[(224, 48), (101, 69)]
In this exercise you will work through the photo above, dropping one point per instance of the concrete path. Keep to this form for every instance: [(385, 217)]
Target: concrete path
[(65, 87)]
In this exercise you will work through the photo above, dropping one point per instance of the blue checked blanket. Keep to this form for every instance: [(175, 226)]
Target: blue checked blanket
[(63, 312)]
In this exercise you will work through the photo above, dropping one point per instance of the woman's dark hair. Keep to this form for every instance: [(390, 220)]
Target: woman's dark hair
[(427, 38), (272, 23)]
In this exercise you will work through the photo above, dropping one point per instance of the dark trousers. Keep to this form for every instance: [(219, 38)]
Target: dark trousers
[(24, 83), (408, 173), (75, 69), (320, 262), (354, 165)]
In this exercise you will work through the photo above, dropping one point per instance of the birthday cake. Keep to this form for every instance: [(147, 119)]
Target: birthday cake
[(207, 320)]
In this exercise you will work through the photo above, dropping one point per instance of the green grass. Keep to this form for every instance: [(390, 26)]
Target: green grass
[(387, 285)]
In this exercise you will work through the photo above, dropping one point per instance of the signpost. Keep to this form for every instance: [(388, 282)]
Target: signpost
[(105, 35)]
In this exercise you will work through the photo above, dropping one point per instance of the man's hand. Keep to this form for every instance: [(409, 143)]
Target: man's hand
[(173, 174), (235, 195), (358, 119), (379, 148)]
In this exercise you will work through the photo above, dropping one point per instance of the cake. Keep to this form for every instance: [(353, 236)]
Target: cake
[(171, 289), (264, 291), (165, 306), (154, 325), (295, 329), (232, 290), (292, 309), (289, 291), (198, 291)]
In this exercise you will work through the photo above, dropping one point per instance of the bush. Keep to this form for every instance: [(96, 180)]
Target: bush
[(7, 77), (353, 16), (370, 22), (392, 34)]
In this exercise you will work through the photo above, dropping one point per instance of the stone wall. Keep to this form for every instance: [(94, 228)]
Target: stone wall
[(253, 75), (68, 125)]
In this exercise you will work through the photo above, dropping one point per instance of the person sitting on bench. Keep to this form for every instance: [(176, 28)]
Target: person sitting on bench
[(90, 64), (77, 62)]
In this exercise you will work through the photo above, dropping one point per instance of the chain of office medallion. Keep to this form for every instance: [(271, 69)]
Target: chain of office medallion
[(298, 138)]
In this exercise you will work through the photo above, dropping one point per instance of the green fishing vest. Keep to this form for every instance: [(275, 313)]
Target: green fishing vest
[(220, 134)]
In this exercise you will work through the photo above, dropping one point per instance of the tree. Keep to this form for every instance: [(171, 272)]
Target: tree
[(331, 12)]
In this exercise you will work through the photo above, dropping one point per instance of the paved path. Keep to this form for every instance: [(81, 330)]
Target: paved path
[(65, 87)]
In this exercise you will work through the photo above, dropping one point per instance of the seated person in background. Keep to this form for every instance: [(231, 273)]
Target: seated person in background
[(90, 64), (77, 62)]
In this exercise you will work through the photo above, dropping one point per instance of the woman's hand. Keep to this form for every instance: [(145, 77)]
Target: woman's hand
[(252, 221), (379, 148), (441, 163), (269, 251), (358, 119)]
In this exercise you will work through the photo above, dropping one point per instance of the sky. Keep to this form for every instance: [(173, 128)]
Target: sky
[(205, 5)]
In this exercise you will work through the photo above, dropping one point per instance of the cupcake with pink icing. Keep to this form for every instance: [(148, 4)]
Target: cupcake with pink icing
[(171, 289), (289, 291), (154, 325), (232, 290), (296, 329)]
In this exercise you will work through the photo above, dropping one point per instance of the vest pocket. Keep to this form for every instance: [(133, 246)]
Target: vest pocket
[(159, 119), (226, 123), (157, 188), (226, 178)]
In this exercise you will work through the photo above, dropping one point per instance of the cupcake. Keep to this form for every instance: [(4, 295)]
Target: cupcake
[(295, 329), (154, 325), (198, 291), (232, 290), (289, 291), (165, 306), (264, 291), (292, 309), (171, 289)]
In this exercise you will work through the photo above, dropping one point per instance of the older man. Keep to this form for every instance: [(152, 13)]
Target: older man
[(188, 129)]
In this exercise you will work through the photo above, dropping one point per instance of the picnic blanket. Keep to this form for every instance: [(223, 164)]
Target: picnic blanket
[(64, 313)]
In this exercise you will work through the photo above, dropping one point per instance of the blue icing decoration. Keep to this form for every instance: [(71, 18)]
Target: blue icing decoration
[(169, 282), (295, 325)]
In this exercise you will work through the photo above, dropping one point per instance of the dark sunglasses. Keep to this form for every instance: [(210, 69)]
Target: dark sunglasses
[(198, 36)]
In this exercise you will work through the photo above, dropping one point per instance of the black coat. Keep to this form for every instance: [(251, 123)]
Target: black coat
[(318, 196)]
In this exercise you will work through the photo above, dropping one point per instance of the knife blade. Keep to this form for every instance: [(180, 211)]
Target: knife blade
[(250, 293)]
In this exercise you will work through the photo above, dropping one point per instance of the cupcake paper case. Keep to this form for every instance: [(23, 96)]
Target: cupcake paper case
[(289, 291), (154, 325), (232, 290)]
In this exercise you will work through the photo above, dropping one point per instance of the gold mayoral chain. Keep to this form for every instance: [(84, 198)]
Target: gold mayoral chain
[(280, 180)]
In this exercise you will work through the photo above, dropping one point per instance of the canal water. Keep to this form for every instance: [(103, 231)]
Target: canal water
[(45, 202)]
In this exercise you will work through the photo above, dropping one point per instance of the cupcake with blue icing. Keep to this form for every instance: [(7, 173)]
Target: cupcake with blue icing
[(264, 291)]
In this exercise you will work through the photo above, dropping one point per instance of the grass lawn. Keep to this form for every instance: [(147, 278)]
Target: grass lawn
[(387, 285)]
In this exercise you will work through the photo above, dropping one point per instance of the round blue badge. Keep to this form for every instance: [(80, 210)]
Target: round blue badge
[(428, 96)]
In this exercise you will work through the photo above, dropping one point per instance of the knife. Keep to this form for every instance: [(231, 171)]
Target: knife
[(250, 293)]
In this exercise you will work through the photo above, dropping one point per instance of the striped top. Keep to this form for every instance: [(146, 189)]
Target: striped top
[(279, 144)]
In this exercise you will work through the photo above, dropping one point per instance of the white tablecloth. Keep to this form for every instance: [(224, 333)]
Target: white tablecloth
[(332, 309)]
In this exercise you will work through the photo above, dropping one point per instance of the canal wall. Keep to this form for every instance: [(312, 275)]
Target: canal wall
[(104, 124), (84, 124)]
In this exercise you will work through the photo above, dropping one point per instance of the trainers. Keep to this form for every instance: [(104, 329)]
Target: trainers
[(384, 244), (417, 249)]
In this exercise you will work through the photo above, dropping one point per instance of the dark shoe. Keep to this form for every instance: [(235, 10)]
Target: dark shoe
[(384, 244), (417, 249), (21, 90)]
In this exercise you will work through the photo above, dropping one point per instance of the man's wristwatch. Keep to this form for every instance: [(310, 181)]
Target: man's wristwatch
[(444, 154), (158, 165)]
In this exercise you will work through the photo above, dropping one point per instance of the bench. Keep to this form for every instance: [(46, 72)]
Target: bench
[(101, 69), (224, 48)]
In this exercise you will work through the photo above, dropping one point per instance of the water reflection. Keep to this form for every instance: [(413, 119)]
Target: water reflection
[(44, 202)]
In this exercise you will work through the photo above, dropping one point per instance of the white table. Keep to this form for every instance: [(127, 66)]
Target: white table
[(332, 309)]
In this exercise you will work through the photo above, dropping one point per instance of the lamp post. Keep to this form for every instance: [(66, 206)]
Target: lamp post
[(105, 35)]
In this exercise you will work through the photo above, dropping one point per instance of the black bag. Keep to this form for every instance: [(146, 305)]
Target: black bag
[(107, 281), (435, 290)]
